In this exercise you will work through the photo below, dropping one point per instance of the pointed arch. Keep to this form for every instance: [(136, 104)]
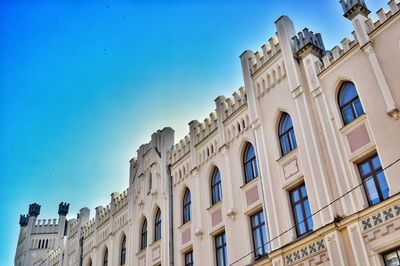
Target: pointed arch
[(349, 102), (157, 225), (186, 206), (249, 163), (287, 137), (216, 186), (143, 234), (122, 256)]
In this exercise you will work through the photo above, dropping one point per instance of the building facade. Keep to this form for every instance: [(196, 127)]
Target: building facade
[(300, 166)]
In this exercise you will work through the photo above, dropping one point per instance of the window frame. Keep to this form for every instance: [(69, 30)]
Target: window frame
[(343, 105), (216, 187), (258, 229), (122, 260), (372, 175), (302, 200), (186, 255), (222, 247), (143, 235), (396, 249), (157, 225), (287, 133), (105, 257), (251, 161), (187, 206)]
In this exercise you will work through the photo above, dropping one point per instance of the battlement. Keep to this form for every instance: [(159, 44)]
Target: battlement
[(203, 129), (89, 228), (34, 210), (263, 56), (308, 42), (230, 105), (45, 226), (72, 227), (63, 208), (23, 220), (352, 8), (179, 150), (383, 16), (120, 200), (103, 214)]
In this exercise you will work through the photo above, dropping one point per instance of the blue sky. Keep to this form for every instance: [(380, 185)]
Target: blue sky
[(84, 83)]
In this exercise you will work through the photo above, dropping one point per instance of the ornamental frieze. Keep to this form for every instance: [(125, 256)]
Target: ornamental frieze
[(305, 252)]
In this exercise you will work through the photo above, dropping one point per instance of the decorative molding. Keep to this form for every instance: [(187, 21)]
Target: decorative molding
[(305, 252), (382, 216)]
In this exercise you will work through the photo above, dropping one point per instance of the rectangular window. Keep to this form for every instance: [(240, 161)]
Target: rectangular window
[(189, 258), (259, 232), (220, 250), (301, 210), (392, 258), (374, 180)]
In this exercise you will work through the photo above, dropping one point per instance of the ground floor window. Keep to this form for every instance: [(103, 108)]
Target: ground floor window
[(189, 258), (392, 258), (220, 250)]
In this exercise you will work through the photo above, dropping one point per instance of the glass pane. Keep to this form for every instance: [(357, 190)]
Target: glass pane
[(249, 172), (308, 215), (255, 168), (365, 169), (348, 115), (376, 163), (250, 152), (296, 195), (303, 191), (372, 193), (358, 107), (300, 219), (264, 233), (347, 93), (383, 185), (293, 139), (285, 144), (286, 123)]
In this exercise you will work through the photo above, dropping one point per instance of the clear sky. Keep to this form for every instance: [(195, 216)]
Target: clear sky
[(84, 83)]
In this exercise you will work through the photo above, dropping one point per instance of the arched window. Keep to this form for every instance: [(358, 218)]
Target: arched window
[(349, 103), (216, 188), (157, 225), (187, 208), (143, 239), (250, 163), (105, 259), (123, 251), (150, 183), (90, 262), (287, 138)]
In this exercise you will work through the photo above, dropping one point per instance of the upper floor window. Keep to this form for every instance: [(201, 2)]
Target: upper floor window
[(157, 225), (216, 188), (123, 251), (90, 262), (143, 238), (301, 210), (250, 163), (220, 250), (150, 184), (259, 233), (105, 258), (374, 180), (349, 103), (287, 138), (392, 258), (187, 206), (189, 258)]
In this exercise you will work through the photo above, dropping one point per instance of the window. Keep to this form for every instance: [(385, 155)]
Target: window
[(259, 233), (250, 163), (90, 262), (187, 208), (374, 180), (392, 258), (220, 250), (349, 103), (189, 258), (301, 210), (157, 228), (123, 251), (150, 184), (105, 259), (216, 189), (287, 138), (143, 239)]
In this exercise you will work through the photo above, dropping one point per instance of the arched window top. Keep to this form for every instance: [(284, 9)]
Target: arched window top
[(143, 239), (250, 163), (349, 102), (144, 226), (157, 223), (187, 202), (123, 251), (216, 187), (105, 258), (287, 137), (90, 262)]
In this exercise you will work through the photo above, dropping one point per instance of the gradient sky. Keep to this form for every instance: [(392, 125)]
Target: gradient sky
[(84, 83)]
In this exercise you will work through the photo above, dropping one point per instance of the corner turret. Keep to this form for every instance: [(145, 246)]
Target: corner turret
[(307, 42), (63, 209), (352, 8), (23, 220), (34, 210)]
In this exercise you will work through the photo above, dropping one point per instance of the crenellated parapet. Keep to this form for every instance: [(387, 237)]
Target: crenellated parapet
[(263, 56), (233, 103), (73, 225), (103, 214), (45, 226), (203, 129), (89, 228), (383, 16), (352, 8), (120, 200), (179, 150), (307, 42)]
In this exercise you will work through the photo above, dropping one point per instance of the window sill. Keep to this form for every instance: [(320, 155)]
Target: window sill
[(346, 128), (283, 159)]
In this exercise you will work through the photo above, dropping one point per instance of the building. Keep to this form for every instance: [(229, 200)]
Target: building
[(299, 167)]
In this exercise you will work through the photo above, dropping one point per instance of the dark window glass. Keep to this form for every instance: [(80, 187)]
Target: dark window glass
[(259, 234), (123, 251), (301, 210), (105, 259), (220, 250), (374, 180), (250, 163), (187, 206), (40, 242), (216, 188), (349, 103), (189, 258), (392, 258), (90, 262), (287, 138), (143, 239), (157, 228)]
